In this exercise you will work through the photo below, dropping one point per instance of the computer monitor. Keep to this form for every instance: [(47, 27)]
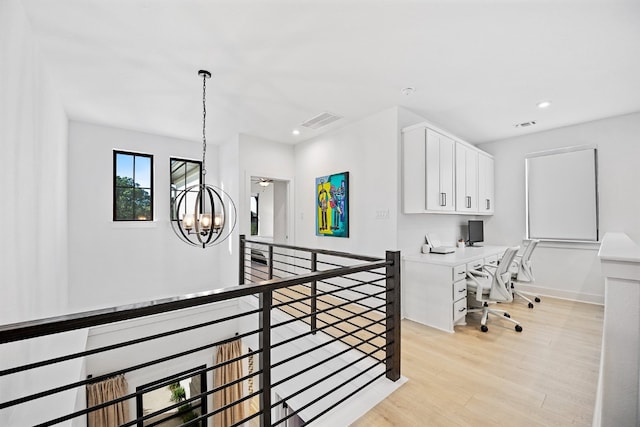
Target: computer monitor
[(476, 231)]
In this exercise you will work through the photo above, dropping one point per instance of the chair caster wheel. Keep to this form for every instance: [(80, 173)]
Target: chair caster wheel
[(484, 328), (518, 328), (507, 315), (537, 299), (530, 305)]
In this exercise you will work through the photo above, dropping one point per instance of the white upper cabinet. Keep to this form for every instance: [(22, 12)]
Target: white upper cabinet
[(441, 174), (414, 168), (427, 171), (485, 183), (466, 178)]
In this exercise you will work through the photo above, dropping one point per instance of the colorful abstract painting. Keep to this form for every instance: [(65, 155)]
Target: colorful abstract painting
[(332, 205)]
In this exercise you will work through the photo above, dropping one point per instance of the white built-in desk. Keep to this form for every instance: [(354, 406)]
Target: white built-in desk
[(434, 286)]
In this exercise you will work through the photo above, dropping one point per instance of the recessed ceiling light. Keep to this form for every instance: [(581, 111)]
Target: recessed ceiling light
[(408, 91), (543, 104), (296, 132)]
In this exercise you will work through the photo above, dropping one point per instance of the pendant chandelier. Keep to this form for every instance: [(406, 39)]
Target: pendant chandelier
[(205, 215)]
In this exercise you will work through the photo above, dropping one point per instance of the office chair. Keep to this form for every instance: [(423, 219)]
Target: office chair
[(521, 272), (492, 287)]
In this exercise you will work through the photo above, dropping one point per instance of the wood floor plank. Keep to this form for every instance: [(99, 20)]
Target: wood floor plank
[(545, 376)]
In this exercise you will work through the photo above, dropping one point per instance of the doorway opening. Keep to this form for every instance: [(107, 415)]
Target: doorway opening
[(269, 209)]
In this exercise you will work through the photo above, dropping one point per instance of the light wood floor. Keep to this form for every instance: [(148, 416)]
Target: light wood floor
[(545, 376)]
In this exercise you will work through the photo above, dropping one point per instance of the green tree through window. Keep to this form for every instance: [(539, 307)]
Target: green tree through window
[(132, 187)]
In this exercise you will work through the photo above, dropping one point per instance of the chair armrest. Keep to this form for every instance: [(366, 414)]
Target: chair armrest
[(472, 280), (474, 273)]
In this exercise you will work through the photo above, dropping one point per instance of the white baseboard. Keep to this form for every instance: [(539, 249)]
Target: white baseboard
[(562, 294)]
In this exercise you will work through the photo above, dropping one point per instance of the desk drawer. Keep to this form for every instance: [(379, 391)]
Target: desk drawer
[(459, 290), (459, 309), (459, 272), (475, 265)]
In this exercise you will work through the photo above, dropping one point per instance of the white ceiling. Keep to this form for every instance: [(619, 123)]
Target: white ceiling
[(479, 67)]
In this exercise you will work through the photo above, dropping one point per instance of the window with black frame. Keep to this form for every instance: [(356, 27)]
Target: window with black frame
[(156, 397), (184, 174), (132, 186)]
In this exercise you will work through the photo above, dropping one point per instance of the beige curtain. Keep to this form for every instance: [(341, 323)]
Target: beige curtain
[(104, 391), (227, 395)]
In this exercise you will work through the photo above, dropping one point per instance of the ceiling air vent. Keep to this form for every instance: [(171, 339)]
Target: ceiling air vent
[(320, 120), (525, 124)]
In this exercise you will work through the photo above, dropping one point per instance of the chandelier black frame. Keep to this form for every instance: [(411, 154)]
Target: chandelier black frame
[(212, 220)]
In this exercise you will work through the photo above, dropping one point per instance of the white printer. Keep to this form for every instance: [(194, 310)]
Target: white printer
[(433, 246)]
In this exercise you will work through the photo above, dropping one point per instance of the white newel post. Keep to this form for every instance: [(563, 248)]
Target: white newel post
[(618, 397)]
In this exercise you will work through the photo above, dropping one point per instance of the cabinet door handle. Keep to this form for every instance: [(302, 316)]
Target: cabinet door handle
[(468, 201), (461, 290), (488, 204), (462, 309), (443, 199)]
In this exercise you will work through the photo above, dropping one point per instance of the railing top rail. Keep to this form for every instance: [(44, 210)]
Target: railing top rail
[(53, 325), (318, 251)]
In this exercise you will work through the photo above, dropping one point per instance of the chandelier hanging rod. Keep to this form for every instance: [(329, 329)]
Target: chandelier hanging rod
[(205, 75)]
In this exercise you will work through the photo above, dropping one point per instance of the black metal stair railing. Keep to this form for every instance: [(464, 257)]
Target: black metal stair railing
[(347, 305)]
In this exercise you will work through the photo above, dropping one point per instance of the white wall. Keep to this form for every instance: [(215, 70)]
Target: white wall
[(114, 263), (367, 149), (567, 271), (243, 158), (370, 150), (33, 242), (227, 255), (41, 379), (263, 158), (33, 142), (446, 228)]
